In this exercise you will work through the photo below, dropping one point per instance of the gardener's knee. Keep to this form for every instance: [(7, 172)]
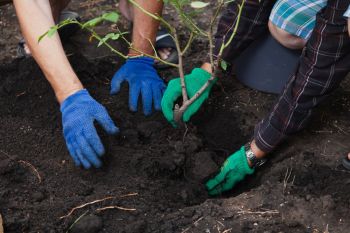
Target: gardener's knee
[(286, 39)]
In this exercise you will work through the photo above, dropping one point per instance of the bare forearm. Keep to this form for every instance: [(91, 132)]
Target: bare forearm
[(145, 28), (35, 18)]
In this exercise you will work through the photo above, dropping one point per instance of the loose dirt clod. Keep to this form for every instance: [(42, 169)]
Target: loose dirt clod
[(202, 166)]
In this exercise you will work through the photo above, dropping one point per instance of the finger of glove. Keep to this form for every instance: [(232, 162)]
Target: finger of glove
[(216, 181), (146, 92), (94, 140), (105, 121), (134, 93), (116, 83), (193, 108), (88, 152), (228, 184), (73, 155), (86, 164), (171, 94), (157, 96)]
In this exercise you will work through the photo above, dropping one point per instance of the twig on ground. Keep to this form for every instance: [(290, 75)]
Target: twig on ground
[(227, 230), (20, 94), (185, 134), (195, 223), (114, 207), (286, 179), (33, 169), (77, 220), (26, 163), (258, 212), (95, 201)]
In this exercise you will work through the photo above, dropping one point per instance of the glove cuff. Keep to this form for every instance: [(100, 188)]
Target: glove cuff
[(199, 72), (141, 59), (243, 162), (203, 74), (70, 99)]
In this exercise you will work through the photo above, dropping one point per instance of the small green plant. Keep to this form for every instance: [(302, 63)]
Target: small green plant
[(187, 11)]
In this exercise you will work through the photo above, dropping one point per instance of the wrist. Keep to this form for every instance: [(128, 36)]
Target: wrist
[(255, 156), (62, 95), (138, 52), (255, 149), (207, 67)]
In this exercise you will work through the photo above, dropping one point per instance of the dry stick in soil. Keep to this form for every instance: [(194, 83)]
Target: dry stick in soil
[(114, 207), (77, 220), (26, 163), (94, 202), (258, 212)]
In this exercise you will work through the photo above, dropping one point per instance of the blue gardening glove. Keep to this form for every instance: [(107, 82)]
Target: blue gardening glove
[(235, 168), (79, 111), (143, 79)]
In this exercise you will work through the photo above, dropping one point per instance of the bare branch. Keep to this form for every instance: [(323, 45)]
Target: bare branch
[(114, 207), (95, 201)]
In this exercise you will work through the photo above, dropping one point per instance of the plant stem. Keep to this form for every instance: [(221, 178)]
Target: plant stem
[(189, 42), (210, 36), (181, 70), (226, 44), (95, 35)]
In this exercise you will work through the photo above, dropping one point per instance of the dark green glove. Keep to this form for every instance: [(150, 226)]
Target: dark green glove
[(235, 168), (194, 82)]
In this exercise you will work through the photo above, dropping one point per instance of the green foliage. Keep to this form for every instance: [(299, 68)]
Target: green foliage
[(223, 65), (111, 36), (199, 4), (110, 17)]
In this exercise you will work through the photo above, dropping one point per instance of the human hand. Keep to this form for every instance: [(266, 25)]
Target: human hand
[(194, 82), (79, 111), (233, 170), (143, 79)]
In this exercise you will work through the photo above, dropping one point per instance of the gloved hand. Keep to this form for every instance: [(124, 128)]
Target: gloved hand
[(235, 168), (142, 78), (194, 82), (79, 111)]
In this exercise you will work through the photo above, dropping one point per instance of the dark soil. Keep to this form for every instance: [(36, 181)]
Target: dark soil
[(303, 188)]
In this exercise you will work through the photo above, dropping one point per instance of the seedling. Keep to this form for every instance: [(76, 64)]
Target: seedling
[(187, 11)]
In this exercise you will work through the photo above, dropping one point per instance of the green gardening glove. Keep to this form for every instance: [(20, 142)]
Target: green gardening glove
[(194, 82), (234, 170)]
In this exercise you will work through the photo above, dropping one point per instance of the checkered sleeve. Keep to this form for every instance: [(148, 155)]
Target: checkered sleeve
[(323, 65), (253, 23)]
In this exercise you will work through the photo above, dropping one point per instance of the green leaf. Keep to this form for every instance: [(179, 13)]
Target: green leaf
[(223, 65), (93, 22), (110, 36), (111, 17), (199, 4)]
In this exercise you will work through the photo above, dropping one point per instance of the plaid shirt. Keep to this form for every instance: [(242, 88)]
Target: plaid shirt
[(324, 63), (296, 16)]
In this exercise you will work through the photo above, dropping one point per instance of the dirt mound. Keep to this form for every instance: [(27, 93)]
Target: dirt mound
[(155, 169)]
